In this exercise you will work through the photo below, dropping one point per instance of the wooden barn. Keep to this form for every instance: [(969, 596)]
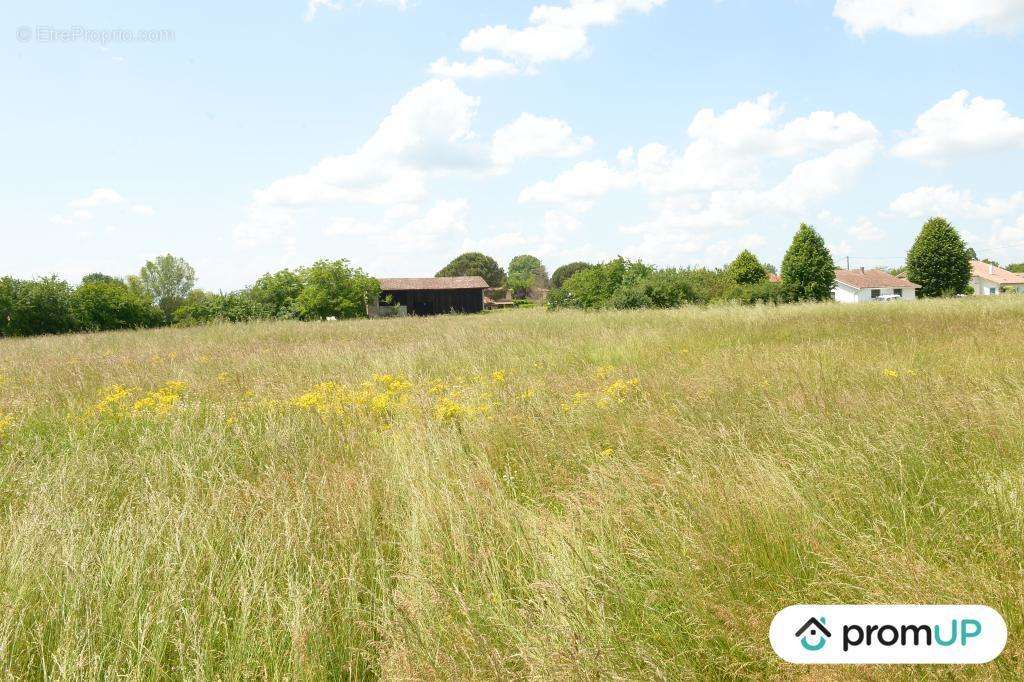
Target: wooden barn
[(435, 295)]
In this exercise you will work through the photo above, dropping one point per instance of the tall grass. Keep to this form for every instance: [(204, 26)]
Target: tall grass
[(537, 495)]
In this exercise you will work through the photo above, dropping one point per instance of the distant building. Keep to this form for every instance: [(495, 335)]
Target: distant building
[(433, 295), (991, 280), (859, 285)]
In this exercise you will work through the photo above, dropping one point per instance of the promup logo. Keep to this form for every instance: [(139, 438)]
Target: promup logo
[(817, 629), (888, 634)]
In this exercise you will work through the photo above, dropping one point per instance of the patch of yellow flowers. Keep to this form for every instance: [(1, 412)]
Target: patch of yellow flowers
[(5, 422), (117, 400)]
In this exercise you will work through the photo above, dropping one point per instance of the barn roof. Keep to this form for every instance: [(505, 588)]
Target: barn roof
[(872, 279), (431, 283)]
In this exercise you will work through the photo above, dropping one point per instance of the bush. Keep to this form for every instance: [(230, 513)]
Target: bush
[(275, 294), (938, 261), (762, 292), (623, 284), (808, 271), (202, 307), (559, 277), (104, 303), (334, 289), (41, 306), (474, 263)]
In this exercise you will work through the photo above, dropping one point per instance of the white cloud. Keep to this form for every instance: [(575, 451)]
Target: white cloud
[(532, 136), (577, 188), (560, 222), (336, 5), (429, 130), (556, 33), (929, 17), (925, 202), (866, 231), (104, 196), (958, 126), (143, 210), (481, 67)]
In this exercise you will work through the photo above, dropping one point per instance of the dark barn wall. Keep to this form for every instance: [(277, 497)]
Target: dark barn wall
[(439, 301)]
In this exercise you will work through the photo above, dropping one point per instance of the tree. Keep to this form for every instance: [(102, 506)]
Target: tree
[(1015, 267), (42, 306), (474, 263), (166, 280), (532, 267), (99, 277), (520, 283), (103, 303), (8, 295), (938, 261), (595, 286), (746, 269), (334, 289), (560, 275), (808, 273)]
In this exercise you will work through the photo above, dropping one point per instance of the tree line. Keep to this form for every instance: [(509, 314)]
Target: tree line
[(163, 292)]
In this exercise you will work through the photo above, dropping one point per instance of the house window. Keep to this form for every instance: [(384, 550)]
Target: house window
[(991, 291), (898, 292), (875, 293)]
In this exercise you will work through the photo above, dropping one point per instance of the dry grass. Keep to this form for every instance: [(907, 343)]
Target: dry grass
[(632, 495)]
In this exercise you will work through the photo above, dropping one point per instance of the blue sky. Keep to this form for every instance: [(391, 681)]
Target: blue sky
[(250, 137)]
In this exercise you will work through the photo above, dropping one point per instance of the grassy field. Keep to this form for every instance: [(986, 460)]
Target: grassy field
[(511, 495)]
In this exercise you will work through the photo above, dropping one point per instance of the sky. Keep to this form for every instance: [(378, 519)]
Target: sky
[(250, 137)]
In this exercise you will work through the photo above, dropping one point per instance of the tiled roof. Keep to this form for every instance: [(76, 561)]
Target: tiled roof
[(873, 279), (994, 274), (431, 283)]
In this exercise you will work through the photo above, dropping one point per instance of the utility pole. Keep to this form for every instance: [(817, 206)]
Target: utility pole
[(847, 262)]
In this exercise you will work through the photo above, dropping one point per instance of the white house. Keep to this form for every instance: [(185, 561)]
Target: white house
[(990, 280), (857, 286)]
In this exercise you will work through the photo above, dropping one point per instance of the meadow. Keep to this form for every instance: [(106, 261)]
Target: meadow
[(515, 495)]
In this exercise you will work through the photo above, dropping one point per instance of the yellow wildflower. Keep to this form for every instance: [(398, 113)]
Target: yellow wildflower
[(603, 372), (498, 376), (230, 421), (891, 373), (223, 377), (5, 422), (608, 452), (162, 400), (111, 398), (447, 410), (437, 387)]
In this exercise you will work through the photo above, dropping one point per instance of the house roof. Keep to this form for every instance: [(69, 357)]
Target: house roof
[(431, 283), (872, 279), (994, 274), (772, 277)]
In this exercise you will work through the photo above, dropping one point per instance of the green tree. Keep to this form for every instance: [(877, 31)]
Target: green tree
[(276, 293), (166, 280), (99, 277), (561, 274), (103, 303), (42, 306), (474, 263), (594, 287), (938, 261), (532, 267), (334, 289), (808, 273), (520, 283), (1015, 267), (746, 269)]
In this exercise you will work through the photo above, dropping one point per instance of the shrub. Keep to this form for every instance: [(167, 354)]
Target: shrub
[(938, 261), (630, 297), (474, 263), (808, 272), (41, 306), (275, 294), (334, 289), (166, 280), (104, 303), (761, 292)]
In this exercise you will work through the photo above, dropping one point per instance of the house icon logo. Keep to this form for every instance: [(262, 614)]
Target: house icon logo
[(813, 634)]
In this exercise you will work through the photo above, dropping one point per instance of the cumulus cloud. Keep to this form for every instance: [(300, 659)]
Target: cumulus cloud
[(103, 196), (945, 200), (579, 187), (429, 130), (481, 67), (962, 125), (336, 5), (555, 33), (866, 231), (532, 136), (929, 17)]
